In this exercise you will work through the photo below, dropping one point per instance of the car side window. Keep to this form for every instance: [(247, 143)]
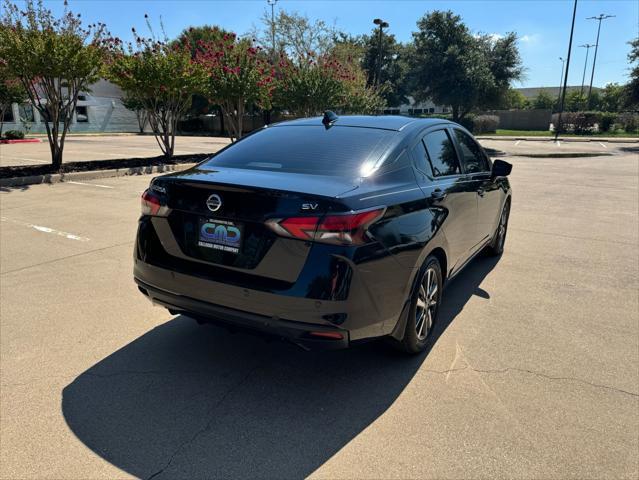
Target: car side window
[(421, 157), (473, 158), (442, 155)]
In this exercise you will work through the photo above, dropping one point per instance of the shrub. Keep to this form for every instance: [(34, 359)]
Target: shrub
[(486, 124), (468, 122), (607, 121), (628, 121), (14, 135), (577, 122)]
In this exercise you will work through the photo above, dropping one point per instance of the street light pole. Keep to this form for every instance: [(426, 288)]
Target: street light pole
[(599, 17), (382, 24), (561, 79), (272, 4), (587, 46), (563, 93)]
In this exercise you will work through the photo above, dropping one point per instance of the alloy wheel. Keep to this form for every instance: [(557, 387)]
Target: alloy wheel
[(426, 306), (503, 226)]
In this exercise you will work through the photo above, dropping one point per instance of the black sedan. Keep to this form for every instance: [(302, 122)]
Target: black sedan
[(324, 231)]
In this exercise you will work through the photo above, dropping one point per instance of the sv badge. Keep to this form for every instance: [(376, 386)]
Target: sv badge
[(309, 206)]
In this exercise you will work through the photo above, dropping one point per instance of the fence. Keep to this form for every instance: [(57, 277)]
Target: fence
[(523, 119)]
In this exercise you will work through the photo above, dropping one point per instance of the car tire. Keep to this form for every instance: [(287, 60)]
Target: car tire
[(424, 308), (496, 246)]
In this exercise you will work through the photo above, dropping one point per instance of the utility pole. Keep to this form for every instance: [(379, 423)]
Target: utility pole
[(561, 79), (563, 93), (272, 4), (382, 24), (600, 17), (267, 113), (587, 46)]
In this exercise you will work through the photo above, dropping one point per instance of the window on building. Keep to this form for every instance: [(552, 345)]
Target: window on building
[(441, 153), (431, 110), (8, 115), (81, 114), (26, 112)]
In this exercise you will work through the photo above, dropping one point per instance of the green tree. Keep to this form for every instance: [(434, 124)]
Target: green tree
[(632, 87), (323, 83), (137, 106), (504, 63), (54, 59), (11, 91), (543, 100), (575, 101), (394, 66), (515, 100), (453, 67), (296, 35), (612, 97), (191, 38), (161, 78), (238, 77), (307, 89)]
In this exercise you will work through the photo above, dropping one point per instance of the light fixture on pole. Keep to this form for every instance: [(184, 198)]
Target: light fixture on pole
[(561, 78), (587, 46), (272, 4), (599, 17)]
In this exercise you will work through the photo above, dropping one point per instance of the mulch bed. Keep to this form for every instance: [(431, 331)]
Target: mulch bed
[(124, 163)]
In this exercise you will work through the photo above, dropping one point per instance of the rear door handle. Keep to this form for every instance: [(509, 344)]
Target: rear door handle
[(438, 194)]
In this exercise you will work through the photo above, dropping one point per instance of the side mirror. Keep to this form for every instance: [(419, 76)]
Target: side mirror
[(501, 168)]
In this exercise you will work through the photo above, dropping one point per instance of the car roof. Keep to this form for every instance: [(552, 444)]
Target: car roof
[(385, 122)]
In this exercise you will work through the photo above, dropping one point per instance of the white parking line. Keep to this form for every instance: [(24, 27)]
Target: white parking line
[(603, 145), (89, 184), (517, 142), (558, 143), (40, 228)]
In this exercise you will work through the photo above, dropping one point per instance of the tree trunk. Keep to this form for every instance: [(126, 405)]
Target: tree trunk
[(240, 119), (455, 113), (2, 111), (221, 114), (56, 157)]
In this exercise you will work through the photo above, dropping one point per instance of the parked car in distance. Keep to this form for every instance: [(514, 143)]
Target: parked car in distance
[(324, 231)]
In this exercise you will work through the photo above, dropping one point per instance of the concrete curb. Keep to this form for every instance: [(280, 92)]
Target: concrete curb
[(20, 140), (562, 139), (562, 155), (92, 175)]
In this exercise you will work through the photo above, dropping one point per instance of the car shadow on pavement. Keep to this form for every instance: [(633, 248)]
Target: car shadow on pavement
[(189, 401)]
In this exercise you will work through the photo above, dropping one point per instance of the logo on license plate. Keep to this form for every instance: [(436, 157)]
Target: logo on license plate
[(220, 236)]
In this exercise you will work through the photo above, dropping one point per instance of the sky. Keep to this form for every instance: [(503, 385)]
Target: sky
[(543, 26)]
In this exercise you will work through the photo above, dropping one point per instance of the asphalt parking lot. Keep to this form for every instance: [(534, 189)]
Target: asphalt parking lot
[(534, 372)]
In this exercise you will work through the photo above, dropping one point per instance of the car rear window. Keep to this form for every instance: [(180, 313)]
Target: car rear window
[(337, 151)]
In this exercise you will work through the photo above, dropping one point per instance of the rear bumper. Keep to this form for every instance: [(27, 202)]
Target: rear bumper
[(297, 332)]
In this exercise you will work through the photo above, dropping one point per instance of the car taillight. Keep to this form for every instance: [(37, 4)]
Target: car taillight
[(152, 205), (340, 229)]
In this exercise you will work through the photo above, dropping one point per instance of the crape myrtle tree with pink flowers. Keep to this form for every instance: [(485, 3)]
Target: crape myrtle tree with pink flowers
[(315, 83), (239, 77), (160, 78), (54, 59)]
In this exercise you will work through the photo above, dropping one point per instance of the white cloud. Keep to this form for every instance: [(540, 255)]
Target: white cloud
[(529, 39), (495, 36)]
